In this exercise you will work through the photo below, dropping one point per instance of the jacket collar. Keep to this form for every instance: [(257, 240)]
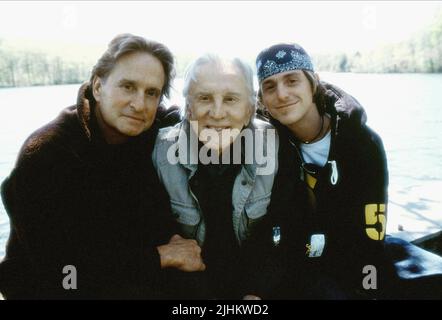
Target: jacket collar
[(344, 106), (84, 108)]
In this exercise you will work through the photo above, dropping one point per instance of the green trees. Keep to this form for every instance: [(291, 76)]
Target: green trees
[(421, 53), (28, 68)]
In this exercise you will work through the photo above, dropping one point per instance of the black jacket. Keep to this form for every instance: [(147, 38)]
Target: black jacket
[(74, 200), (351, 214)]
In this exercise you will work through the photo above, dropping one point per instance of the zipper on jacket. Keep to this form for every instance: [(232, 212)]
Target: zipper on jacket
[(334, 176)]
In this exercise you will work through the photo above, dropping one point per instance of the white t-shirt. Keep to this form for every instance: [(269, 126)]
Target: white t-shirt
[(317, 152)]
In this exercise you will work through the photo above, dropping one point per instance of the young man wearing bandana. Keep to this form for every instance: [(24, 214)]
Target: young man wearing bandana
[(327, 217)]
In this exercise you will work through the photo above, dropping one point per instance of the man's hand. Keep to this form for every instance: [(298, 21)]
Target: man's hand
[(183, 254)]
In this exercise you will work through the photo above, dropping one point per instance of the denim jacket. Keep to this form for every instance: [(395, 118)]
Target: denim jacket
[(175, 158)]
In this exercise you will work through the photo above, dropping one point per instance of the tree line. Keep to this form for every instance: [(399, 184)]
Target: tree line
[(30, 68), (421, 53)]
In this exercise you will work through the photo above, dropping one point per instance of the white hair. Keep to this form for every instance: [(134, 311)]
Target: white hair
[(210, 58)]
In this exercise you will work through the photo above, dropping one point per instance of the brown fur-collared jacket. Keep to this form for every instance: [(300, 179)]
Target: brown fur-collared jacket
[(74, 200)]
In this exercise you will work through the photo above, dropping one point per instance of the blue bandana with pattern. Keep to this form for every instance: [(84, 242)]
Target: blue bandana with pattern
[(281, 58)]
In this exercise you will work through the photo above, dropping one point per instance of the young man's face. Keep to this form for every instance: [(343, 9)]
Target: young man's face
[(287, 96), (127, 100), (219, 102)]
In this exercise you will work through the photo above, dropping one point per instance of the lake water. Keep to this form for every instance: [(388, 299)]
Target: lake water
[(405, 109)]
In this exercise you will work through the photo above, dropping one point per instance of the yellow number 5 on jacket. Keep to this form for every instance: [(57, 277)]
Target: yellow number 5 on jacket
[(375, 218)]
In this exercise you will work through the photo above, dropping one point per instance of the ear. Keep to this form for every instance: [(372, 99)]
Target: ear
[(96, 88)]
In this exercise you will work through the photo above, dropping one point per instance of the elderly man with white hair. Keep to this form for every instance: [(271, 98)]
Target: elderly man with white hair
[(218, 167)]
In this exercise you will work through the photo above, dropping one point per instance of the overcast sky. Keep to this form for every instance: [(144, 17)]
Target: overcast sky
[(192, 27)]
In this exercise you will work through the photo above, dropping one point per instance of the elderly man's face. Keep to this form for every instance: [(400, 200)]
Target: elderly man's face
[(127, 100), (219, 102)]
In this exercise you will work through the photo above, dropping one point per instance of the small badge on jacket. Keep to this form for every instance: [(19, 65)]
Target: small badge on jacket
[(316, 246), (276, 235)]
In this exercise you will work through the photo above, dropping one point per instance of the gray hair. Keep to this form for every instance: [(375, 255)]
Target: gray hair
[(127, 43), (209, 58)]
